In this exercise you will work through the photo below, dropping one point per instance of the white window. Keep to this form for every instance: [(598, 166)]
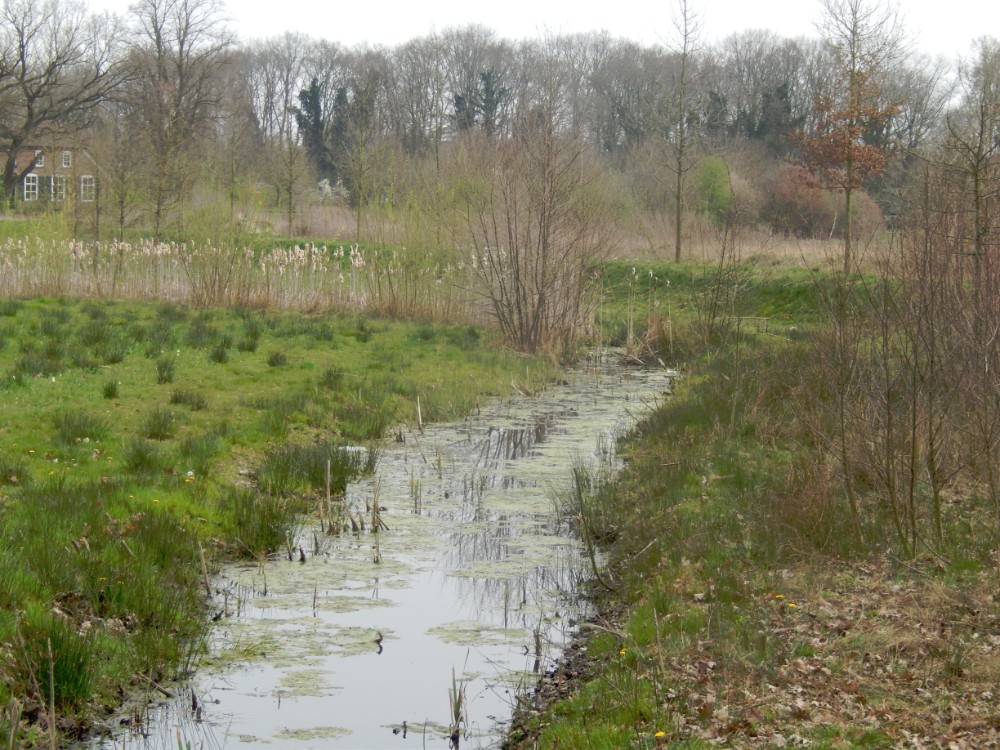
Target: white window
[(58, 185), (31, 187), (88, 188), (67, 161), (39, 159)]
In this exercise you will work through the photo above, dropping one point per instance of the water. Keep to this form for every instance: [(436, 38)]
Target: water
[(476, 586)]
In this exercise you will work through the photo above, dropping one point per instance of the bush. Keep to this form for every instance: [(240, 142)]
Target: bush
[(795, 206)]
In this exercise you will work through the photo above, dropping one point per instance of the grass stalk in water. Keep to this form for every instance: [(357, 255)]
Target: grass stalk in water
[(456, 705)]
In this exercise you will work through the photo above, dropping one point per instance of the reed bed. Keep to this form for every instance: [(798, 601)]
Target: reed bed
[(306, 277)]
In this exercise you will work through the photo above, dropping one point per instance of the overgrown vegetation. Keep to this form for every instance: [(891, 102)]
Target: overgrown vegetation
[(802, 545)]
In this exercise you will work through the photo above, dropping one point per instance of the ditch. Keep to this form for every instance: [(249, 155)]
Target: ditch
[(436, 622)]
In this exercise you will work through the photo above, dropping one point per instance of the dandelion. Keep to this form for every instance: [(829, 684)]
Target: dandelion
[(660, 735), (792, 605), (779, 597), (622, 651)]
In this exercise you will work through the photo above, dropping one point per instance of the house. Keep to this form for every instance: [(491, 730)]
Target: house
[(57, 174)]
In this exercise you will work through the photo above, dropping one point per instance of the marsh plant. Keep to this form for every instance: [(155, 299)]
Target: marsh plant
[(142, 456), (289, 468), (194, 400), (301, 277), (456, 711), (261, 523)]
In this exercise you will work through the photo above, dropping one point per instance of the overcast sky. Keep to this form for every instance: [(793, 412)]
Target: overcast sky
[(940, 28)]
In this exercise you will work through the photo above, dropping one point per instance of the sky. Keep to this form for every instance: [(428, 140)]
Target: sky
[(938, 28)]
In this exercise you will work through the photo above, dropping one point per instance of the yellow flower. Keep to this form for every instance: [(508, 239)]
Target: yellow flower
[(622, 652), (779, 596), (660, 734), (793, 605)]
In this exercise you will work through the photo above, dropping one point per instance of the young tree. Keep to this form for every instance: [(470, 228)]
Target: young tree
[(57, 65), (681, 138), (866, 39)]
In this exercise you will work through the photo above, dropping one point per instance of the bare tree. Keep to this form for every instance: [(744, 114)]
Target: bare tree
[(974, 141), (57, 65), (275, 74), (178, 48), (681, 136), (532, 210)]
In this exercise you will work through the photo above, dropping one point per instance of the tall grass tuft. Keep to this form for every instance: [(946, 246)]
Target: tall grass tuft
[(68, 674), (290, 468), (219, 353), (142, 456), (193, 400), (199, 452), (76, 426), (165, 367), (261, 523), (159, 424)]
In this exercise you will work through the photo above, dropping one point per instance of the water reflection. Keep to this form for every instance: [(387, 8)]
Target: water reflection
[(478, 575)]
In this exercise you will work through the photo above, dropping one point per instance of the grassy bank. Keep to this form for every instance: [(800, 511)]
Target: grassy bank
[(749, 599), (136, 437)]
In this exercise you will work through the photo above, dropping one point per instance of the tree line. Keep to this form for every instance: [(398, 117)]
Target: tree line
[(756, 128)]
